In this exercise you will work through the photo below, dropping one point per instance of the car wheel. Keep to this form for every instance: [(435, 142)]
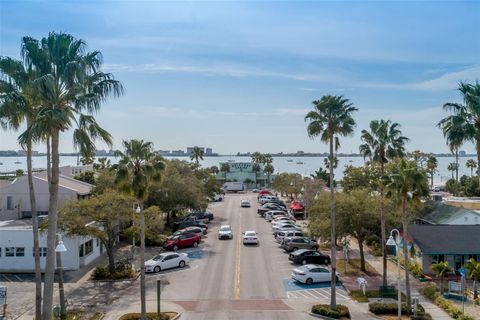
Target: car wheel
[(181, 264), (175, 248), (294, 249), (304, 262), (156, 269), (195, 244), (309, 281)]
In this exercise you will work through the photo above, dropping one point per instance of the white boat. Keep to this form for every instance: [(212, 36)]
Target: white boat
[(299, 162)]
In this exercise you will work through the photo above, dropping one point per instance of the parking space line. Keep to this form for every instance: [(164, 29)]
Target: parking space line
[(342, 295), (18, 278), (302, 294), (308, 291), (321, 294), (8, 278)]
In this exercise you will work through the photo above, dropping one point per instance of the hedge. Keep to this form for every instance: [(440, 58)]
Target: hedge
[(150, 316), (324, 310), (380, 308), (432, 292)]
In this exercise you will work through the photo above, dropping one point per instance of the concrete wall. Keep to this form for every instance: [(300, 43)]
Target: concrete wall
[(24, 238), (18, 190)]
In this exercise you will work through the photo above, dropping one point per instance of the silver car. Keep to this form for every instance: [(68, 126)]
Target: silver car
[(283, 235), (225, 232), (293, 244)]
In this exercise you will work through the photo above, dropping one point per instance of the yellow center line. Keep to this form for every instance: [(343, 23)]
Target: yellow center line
[(236, 289)]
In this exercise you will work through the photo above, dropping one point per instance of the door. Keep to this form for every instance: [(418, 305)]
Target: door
[(324, 275), (169, 261)]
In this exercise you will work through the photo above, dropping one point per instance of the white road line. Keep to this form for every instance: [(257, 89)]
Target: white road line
[(301, 294), (342, 295), (18, 278), (308, 291), (321, 294)]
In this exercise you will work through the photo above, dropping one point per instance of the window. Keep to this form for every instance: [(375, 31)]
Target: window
[(88, 247), (9, 252), (98, 242), (10, 205), (20, 252), (42, 251), (80, 250)]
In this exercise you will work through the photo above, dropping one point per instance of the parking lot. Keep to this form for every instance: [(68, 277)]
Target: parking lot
[(18, 277)]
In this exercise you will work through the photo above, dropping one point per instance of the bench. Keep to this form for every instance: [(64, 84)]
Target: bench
[(387, 291)]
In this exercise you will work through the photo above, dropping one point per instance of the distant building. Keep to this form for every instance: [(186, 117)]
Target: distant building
[(177, 153), (462, 153), (300, 152), (71, 171), (164, 152), (190, 150), (243, 172), (208, 151)]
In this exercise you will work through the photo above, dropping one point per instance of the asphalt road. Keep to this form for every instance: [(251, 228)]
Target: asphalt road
[(227, 280)]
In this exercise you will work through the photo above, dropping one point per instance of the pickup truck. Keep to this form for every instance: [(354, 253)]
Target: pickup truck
[(204, 217)]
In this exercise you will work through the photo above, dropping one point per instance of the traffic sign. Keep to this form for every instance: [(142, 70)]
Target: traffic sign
[(462, 272)]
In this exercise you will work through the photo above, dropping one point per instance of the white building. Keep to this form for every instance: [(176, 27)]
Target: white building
[(16, 248), (15, 197), (71, 171)]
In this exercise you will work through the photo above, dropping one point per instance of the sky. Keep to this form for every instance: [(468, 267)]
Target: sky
[(240, 76)]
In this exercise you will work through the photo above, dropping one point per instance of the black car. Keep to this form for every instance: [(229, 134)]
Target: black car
[(188, 223), (268, 207), (202, 216), (305, 256)]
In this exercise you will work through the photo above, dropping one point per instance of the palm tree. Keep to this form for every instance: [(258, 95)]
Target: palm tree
[(137, 169), (225, 168), (256, 169), (383, 143), (331, 118), (327, 163), (471, 164), (473, 268), (441, 269), (267, 158), (268, 169), (197, 155), (18, 103), (70, 87), (463, 124), (452, 166), (256, 157), (214, 169), (406, 182), (432, 165)]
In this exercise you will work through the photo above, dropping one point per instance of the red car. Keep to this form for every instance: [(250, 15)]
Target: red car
[(182, 241)]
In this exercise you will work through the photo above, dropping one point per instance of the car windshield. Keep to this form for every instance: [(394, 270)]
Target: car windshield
[(225, 228), (250, 234), (158, 258)]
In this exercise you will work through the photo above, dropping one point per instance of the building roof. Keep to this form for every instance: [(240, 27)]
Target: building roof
[(446, 239), (18, 224), (82, 188), (443, 213)]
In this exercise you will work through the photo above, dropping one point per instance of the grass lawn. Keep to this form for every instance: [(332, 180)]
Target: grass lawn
[(353, 268)]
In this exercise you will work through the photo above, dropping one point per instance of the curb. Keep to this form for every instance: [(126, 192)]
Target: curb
[(179, 314), (320, 316)]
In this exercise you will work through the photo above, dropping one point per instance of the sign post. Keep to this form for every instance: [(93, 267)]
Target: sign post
[(463, 273)]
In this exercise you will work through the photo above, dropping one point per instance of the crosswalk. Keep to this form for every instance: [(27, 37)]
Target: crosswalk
[(317, 294)]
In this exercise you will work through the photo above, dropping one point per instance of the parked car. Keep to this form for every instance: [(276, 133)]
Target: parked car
[(269, 206), (166, 261), (204, 216), (189, 223), (293, 244), (250, 237), (304, 256), (270, 215), (285, 235), (264, 199), (278, 224), (244, 203), (284, 218), (217, 197), (182, 241), (286, 228), (225, 232), (312, 273), (197, 230), (255, 190)]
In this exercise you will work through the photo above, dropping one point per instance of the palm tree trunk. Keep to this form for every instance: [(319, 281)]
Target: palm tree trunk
[(333, 298), (49, 161), (382, 225), (51, 230), (36, 249), (142, 261), (362, 254), (477, 145), (456, 165), (431, 180), (405, 252)]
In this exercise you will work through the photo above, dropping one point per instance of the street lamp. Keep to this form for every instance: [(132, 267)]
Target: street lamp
[(58, 251), (392, 242)]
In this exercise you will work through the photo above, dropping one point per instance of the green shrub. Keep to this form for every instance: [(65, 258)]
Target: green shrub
[(100, 273), (380, 308), (122, 271), (430, 291), (452, 310), (465, 317), (324, 310), (150, 316)]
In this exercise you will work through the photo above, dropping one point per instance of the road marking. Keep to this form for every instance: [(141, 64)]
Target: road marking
[(236, 289), (308, 291), (18, 278), (320, 294)]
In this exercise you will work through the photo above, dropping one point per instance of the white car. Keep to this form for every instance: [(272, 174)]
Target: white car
[(270, 215), (286, 227), (245, 203), (311, 273), (225, 232), (279, 224), (167, 261), (287, 218), (250, 237)]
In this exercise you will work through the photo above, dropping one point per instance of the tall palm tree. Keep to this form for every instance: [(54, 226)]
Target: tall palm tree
[(406, 182), (463, 125), (18, 104), (268, 169), (70, 87), (452, 166), (256, 157), (331, 118), (225, 168), (473, 268), (197, 155), (267, 158), (383, 143), (441, 269), (137, 169), (471, 164), (214, 169), (432, 165), (256, 169)]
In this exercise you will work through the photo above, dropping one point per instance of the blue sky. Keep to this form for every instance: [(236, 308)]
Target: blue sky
[(241, 75)]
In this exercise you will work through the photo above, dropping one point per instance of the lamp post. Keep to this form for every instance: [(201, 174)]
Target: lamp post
[(58, 251), (392, 242)]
